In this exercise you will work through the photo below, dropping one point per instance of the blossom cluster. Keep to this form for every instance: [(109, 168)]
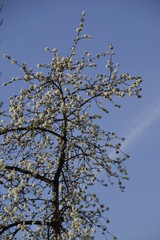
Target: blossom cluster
[(53, 148)]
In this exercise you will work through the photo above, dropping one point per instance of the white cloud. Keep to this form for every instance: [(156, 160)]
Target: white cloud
[(141, 123)]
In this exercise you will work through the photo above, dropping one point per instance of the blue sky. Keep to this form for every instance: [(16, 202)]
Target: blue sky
[(134, 29)]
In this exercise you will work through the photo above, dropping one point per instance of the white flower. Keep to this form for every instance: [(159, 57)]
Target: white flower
[(54, 50), (13, 61), (24, 64), (78, 30), (4, 197), (122, 94), (85, 35), (5, 55), (32, 87), (2, 164), (111, 46), (83, 13), (47, 49), (23, 183)]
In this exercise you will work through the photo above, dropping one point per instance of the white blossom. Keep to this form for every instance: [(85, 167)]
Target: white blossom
[(53, 146), (47, 49)]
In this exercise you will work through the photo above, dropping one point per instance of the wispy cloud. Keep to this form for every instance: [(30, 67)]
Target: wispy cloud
[(139, 125), (145, 119)]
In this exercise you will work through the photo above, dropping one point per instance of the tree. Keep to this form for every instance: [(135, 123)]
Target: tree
[(1, 22), (53, 148)]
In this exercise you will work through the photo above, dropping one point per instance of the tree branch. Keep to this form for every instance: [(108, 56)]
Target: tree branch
[(29, 128), (29, 172)]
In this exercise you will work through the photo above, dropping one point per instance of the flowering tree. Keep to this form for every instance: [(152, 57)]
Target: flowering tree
[(53, 148), (1, 21)]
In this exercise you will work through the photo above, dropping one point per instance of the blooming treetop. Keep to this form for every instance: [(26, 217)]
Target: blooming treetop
[(52, 147)]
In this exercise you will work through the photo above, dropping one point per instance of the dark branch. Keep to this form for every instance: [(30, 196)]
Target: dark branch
[(29, 128), (30, 222), (28, 172)]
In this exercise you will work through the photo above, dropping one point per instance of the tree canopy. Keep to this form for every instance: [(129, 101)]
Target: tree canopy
[(53, 147)]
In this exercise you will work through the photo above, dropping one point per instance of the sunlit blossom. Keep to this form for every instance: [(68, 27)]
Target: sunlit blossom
[(53, 147)]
